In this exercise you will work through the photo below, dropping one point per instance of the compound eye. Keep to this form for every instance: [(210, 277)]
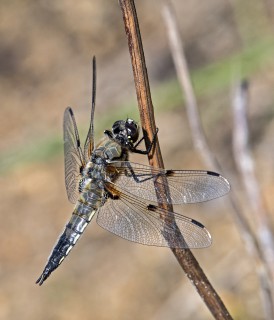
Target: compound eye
[(132, 129), (116, 128)]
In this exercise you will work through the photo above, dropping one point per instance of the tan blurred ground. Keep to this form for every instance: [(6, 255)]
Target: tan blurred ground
[(46, 49)]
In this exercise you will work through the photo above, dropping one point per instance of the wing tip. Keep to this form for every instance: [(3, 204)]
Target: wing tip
[(208, 237), (227, 184)]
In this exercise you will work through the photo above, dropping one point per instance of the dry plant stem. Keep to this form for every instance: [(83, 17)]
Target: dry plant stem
[(244, 161), (201, 144), (245, 165), (198, 136), (184, 256)]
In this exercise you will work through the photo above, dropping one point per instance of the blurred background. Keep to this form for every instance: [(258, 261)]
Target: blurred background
[(46, 51)]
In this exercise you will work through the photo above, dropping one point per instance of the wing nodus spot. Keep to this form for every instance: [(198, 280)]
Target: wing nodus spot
[(151, 207), (170, 172)]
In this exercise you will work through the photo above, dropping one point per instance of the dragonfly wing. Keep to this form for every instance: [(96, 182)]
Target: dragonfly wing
[(185, 186), (89, 143), (73, 155), (133, 219)]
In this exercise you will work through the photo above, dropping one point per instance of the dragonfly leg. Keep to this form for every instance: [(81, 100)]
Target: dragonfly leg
[(144, 177), (135, 150), (109, 134)]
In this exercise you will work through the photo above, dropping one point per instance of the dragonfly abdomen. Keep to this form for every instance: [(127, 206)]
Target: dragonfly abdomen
[(81, 216)]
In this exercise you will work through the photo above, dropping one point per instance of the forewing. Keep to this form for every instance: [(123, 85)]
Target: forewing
[(185, 186), (73, 155), (135, 220), (89, 143)]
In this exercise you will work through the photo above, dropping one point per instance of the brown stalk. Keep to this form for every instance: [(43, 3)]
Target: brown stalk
[(184, 256)]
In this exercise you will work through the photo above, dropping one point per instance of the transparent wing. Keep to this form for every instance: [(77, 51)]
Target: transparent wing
[(74, 160), (89, 143), (185, 186), (132, 219)]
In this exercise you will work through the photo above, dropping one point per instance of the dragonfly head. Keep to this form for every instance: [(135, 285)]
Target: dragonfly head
[(126, 132)]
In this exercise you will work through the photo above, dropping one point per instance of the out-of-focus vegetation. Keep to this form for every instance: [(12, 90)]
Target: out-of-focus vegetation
[(45, 65), (208, 80)]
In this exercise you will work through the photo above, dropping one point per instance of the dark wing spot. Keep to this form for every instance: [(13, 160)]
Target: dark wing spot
[(112, 192), (113, 196), (213, 173), (197, 223), (151, 207), (70, 111), (169, 172)]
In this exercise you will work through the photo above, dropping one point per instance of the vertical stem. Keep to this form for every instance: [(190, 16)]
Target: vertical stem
[(244, 162), (184, 256)]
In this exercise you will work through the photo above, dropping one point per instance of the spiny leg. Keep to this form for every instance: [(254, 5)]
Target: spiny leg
[(148, 176), (147, 151)]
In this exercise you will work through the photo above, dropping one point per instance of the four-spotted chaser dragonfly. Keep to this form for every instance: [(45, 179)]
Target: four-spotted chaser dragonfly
[(101, 180)]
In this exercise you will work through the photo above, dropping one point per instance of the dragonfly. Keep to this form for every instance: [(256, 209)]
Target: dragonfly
[(101, 180)]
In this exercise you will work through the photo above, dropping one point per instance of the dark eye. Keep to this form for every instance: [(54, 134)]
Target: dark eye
[(116, 128), (132, 129)]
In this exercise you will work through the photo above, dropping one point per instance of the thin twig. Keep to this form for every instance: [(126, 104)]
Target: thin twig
[(245, 165), (177, 51), (184, 256), (202, 146)]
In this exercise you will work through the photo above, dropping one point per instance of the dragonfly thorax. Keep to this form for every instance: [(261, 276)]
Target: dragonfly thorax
[(93, 170), (98, 158)]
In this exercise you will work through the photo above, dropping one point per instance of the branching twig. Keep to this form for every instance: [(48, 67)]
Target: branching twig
[(202, 146), (184, 256)]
